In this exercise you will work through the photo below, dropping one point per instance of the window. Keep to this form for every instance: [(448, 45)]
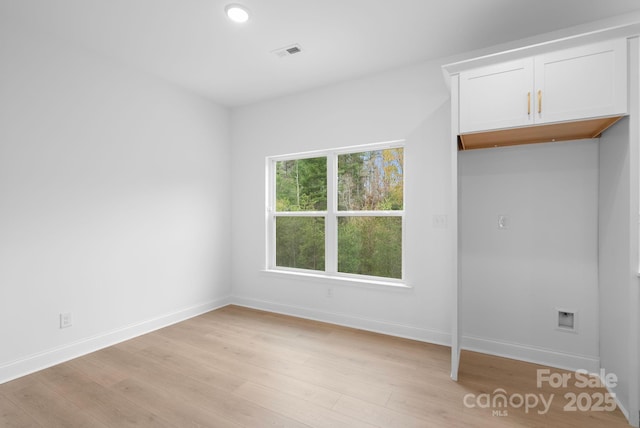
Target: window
[(338, 212)]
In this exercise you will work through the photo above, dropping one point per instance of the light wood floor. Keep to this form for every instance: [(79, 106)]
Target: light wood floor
[(239, 367)]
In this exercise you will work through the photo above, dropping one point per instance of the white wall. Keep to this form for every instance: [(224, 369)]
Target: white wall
[(618, 249), (616, 272), (113, 202), (513, 279), (412, 104)]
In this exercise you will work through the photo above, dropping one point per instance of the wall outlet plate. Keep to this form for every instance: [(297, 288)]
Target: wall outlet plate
[(65, 320), (440, 221)]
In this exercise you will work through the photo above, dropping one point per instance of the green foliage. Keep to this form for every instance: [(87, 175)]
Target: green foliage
[(301, 185), (370, 246), (367, 181), (300, 242), (371, 180)]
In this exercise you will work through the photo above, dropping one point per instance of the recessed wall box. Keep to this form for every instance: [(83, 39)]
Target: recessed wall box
[(566, 320)]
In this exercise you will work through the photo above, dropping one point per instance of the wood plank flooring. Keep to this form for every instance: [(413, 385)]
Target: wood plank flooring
[(238, 367)]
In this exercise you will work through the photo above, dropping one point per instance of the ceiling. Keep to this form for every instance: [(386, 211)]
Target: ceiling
[(193, 44)]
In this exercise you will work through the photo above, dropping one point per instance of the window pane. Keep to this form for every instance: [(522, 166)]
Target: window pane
[(300, 242), (370, 246), (301, 185), (371, 180)]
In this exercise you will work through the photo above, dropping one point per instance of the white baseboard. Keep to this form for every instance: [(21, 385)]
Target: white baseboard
[(51, 357), (632, 418), (516, 351), (531, 354), (622, 408), (376, 326)]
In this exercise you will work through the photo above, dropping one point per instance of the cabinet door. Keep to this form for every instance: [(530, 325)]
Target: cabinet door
[(580, 83), (497, 96)]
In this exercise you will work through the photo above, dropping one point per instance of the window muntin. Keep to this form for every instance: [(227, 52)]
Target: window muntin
[(338, 212)]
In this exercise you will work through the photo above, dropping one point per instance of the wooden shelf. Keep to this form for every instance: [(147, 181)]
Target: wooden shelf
[(536, 134)]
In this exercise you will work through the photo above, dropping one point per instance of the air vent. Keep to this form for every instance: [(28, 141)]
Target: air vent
[(287, 51)]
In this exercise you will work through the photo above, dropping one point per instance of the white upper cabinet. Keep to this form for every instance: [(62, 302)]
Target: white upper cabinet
[(497, 96), (573, 84), (585, 82)]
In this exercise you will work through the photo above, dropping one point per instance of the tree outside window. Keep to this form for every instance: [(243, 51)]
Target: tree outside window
[(339, 212)]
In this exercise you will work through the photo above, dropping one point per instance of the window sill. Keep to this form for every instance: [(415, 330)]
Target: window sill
[(334, 279)]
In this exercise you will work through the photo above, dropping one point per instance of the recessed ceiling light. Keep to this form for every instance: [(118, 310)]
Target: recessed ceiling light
[(237, 13)]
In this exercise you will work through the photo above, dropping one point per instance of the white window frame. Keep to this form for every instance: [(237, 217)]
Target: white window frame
[(331, 217)]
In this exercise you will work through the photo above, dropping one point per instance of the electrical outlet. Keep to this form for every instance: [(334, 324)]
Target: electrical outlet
[(65, 320)]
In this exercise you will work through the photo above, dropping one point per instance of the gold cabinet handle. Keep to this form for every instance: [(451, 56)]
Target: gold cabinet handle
[(539, 102), (529, 103)]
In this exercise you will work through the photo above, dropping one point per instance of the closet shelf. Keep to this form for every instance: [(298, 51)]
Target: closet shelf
[(564, 131)]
